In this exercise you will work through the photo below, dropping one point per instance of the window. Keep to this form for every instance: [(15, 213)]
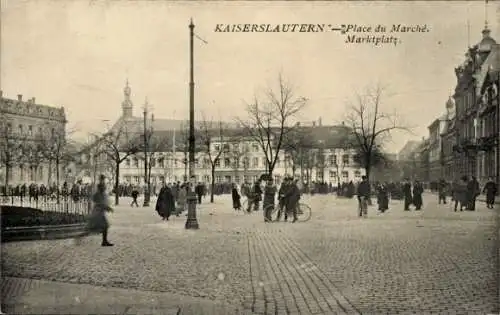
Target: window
[(345, 159), (127, 162), (255, 147), (236, 162), (136, 179), (236, 147), (136, 162), (246, 178), (127, 179), (255, 162), (206, 178), (237, 179), (153, 162), (333, 174), (246, 162), (227, 163), (332, 160), (345, 175), (216, 147), (20, 129), (217, 162), (218, 179), (30, 130), (161, 162), (357, 174)]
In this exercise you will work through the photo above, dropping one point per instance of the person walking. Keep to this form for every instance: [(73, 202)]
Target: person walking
[(363, 195), (473, 190), (442, 187), (165, 204), (97, 222), (490, 189), (418, 190), (292, 200), (281, 199), (135, 194), (269, 196), (236, 197), (408, 199)]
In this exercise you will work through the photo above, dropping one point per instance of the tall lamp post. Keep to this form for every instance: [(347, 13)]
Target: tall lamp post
[(147, 181), (191, 222)]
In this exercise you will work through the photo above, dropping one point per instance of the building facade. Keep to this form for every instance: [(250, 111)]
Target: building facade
[(31, 140), (448, 140), (435, 147), (241, 159)]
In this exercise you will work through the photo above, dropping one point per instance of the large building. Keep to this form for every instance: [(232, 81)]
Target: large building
[(327, 157), (32, 137), (436, 129)]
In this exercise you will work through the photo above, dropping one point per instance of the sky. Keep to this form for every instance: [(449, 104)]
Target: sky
[(79, 54)]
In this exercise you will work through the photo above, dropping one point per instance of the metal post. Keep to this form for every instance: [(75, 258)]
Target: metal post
[(146, 181), (191, 222)]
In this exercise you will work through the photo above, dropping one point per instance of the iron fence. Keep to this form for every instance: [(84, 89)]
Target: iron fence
[(65, 204)]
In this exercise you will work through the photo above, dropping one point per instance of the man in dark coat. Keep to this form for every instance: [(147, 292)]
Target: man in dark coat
[(281, 199), (236, 197), (407, 194), (135, 194), (269, 197), (473, 191), (199, 192), (442, 188), (165, 205), (418, 190), (490, 189), (382, 198), (292, 200)]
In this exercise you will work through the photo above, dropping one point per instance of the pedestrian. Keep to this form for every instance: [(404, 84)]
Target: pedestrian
[(97, 222), (408, 199), (181, 199), (490, 189), (418, 190), (363, 195), (473, 190), (282, 200), (382, 198), (236, 197), (460, 193), (199, 192), (254, 197), (292, 200), (442, 187), (165, 204), (268, 204), (134, 194)]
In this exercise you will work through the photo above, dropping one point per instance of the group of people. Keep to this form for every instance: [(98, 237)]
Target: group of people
[(288, 198), (463, 192)]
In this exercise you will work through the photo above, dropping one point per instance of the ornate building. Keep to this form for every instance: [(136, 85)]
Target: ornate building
[(468, 98), (448, 139), (436, 147), (23, 124)]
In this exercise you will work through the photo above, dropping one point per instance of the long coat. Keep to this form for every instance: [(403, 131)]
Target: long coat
[(236, 198), (98, 222), (165, 205), (491, 189)]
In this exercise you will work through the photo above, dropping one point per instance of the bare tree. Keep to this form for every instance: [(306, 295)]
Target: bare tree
[(239, 154), (269, 119), (156, 144), (370, 125), (215, 143), (12, 147), (117, 146), (297, 145), (55, 151)]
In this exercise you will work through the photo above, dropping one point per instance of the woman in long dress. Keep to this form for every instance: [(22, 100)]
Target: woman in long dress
[(181, 202), (165, 204), (236, 198), (97, 222)]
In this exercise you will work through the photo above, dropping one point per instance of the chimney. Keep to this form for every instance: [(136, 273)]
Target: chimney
[(20, 97), (33, 100), (319, 122)]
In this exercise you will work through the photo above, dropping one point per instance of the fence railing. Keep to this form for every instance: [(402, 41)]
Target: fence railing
[(65, 204)]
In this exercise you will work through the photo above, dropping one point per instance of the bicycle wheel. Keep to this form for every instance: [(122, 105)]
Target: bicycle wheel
[(244, 205), (304, 212)]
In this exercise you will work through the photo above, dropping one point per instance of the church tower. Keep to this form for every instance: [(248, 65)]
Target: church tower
[(127, 106)]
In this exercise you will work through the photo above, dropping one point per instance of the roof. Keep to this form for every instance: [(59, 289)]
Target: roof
[(491, 63)]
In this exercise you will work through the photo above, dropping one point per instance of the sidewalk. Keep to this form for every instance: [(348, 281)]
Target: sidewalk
[(27, 296)]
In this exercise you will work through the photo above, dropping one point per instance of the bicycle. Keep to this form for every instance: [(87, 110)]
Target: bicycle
[(304, 212)]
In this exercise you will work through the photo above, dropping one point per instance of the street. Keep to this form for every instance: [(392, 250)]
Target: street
[(434, 260)]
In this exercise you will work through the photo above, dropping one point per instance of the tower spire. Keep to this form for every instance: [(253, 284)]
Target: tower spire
[(127, 105)]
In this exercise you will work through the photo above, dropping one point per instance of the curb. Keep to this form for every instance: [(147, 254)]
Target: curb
[(47, 232)]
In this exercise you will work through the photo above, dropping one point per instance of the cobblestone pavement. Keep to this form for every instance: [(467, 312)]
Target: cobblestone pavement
[(434, 260)]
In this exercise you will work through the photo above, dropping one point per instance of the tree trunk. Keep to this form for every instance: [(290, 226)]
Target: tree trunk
[(49, 175), (212, 184), (57, 180), (117, 182)]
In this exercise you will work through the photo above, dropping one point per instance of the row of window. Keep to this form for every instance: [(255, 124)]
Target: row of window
[(245, 162), (27, 130)]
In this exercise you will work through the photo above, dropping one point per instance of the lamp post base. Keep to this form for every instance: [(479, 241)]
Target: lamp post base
[(192, 221)]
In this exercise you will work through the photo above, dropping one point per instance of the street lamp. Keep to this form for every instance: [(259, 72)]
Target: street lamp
[(191, 222), (147, 179)]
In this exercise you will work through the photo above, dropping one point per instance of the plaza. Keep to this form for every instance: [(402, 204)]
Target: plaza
[(432, 261)]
